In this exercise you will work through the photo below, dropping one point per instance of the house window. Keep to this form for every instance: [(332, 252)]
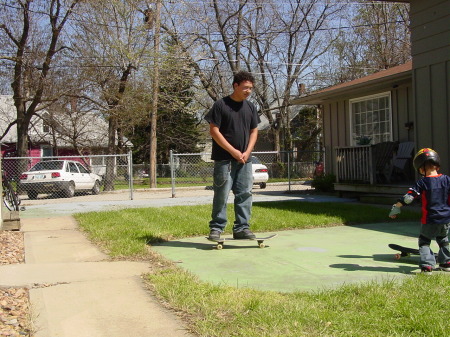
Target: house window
[(45, 124), (371, 119), (45, 127), (47, 151)]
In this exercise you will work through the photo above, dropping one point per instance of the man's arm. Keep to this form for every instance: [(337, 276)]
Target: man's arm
[(251, 144), (223, 143)]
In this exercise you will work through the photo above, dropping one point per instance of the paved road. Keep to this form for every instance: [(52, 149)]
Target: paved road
[(149, 198)]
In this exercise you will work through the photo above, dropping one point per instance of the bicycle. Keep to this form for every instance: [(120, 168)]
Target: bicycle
[(10, 197)]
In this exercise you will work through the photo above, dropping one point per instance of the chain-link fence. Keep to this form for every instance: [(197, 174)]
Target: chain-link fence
[(68, 176), (281, 171), (104, 177)]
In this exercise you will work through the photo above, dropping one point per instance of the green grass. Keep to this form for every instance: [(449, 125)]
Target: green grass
[(124, 233), (416, 306)]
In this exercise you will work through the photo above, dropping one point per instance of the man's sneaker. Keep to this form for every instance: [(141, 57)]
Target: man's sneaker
[(244, 234), (445, 266), (214, 234), (428, 270)]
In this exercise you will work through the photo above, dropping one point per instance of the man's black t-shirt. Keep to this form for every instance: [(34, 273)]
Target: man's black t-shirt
[(234, 120)]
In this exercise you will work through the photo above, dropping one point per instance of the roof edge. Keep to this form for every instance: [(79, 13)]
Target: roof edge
[(398, 73)]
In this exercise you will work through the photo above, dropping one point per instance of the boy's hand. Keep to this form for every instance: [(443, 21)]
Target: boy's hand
[(395, 210)]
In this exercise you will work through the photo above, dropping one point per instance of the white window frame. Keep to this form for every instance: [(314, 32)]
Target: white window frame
[(386, 94), (45, 125), (44, 149)]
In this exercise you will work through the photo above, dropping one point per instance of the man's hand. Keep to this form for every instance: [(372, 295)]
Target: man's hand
[(238, 155), (245, 157), (395, 210)]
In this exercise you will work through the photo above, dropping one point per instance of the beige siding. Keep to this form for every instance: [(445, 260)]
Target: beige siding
[(402, 114), (328, 138), (430, 35)]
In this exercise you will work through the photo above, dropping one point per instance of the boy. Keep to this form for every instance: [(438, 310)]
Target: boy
[(233, 122), (434, 191)]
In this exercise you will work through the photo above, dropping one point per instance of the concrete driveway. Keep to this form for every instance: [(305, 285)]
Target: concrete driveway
[(309, 259)]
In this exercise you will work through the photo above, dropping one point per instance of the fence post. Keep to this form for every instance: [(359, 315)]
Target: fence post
[(172, 173), (130, 173), (289, 169)]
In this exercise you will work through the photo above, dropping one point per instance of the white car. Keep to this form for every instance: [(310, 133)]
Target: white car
[(62, 177), (260, 172)]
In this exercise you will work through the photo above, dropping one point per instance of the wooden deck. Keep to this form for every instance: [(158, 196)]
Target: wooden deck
[(370, 170), (386, 194), (396, 189)]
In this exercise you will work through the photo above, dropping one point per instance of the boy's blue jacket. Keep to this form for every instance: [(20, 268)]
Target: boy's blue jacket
[(434, 192)]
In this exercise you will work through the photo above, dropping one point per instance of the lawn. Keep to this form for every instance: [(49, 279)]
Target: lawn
[(417, 306)]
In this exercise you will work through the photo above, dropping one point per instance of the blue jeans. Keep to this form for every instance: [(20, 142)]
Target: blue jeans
[(229, 175), (428, 232)]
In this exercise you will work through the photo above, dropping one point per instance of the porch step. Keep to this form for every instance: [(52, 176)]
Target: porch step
[(385, 189), (375, 194)]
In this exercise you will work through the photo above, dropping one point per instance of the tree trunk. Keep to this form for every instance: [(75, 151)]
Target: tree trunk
[(154, 112), (110, 161)]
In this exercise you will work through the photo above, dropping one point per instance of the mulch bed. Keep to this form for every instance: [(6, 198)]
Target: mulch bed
[(15, 318)]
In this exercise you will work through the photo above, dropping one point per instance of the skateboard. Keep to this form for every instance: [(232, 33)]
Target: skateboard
[(220, 242), (404, 251)]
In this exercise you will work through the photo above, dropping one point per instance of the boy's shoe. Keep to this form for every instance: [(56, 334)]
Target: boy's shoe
[(445, 266), (428, 270), (214, 234), (244, 234)]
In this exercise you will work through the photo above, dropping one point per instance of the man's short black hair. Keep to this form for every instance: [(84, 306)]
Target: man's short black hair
[(243, 76)]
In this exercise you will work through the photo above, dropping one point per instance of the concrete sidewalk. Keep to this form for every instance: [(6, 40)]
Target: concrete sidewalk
[(75, 291)]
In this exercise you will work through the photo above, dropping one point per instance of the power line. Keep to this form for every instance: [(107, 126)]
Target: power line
[(267, 32)]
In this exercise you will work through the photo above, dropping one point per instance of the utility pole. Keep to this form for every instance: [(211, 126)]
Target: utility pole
[(154, 108)]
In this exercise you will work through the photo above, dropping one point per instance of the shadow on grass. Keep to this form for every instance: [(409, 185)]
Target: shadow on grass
[(383, 258), (182, 244), (411, 263), (357, 267), (207, 245)]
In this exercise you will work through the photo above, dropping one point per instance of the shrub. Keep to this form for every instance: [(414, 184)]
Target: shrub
[(278, 170), (324, 183)]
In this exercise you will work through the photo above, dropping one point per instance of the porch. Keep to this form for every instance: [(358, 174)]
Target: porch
[(382, 170)]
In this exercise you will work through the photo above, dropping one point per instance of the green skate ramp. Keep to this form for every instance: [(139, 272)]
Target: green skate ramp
[(309, 259)]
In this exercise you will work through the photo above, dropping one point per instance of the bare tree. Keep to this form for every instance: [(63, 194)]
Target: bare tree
[(31, 33), (373, 37), (112, 42), (284, 58), (278, 42)]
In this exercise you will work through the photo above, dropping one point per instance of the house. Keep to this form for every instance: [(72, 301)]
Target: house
[(265, 139), (411, 103), (61, 135), (53, 134)]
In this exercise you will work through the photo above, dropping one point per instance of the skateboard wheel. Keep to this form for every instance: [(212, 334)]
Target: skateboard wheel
[(397, 256), (262, 245), (219, 246)]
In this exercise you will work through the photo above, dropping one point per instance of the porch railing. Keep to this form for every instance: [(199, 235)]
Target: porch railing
[(355, 164)]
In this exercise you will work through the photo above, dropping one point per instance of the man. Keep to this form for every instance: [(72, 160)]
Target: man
[(233, 122)]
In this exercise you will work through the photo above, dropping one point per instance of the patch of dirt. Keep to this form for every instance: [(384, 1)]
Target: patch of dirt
[(14, 302)]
